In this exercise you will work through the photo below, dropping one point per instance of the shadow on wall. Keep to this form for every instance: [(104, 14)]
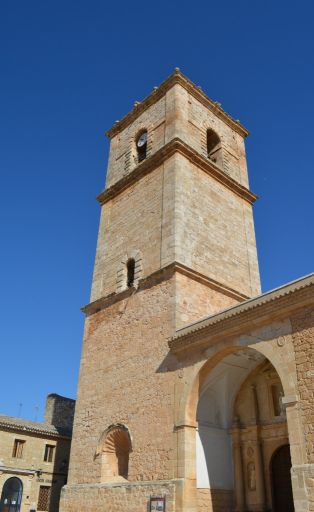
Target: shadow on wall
[(60, 473), (59, 412)]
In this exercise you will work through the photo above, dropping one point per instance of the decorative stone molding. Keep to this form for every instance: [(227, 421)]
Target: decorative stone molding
[(17, 471), (177, 78), (289, 400), (176, 145), (156, 277), (273, 305)]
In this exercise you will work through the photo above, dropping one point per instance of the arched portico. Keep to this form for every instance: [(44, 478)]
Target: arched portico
[(200, 384)]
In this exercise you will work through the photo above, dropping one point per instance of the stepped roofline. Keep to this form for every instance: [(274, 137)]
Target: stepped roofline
[(177, 77)]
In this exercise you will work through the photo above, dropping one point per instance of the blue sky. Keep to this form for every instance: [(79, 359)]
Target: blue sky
[(68, 70)]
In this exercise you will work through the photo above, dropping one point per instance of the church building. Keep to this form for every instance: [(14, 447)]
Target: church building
[(196, 390)]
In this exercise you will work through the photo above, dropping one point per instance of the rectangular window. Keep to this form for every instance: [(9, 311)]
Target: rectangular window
[(49, 452), (43, 497), (18, 448)]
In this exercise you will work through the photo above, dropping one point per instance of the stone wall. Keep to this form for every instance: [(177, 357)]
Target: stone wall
[(214, 500), (59, 411), (303, 339), (124, 379), (135, 220), (116, 497), (196, 300), (178, 213), (214, 232)]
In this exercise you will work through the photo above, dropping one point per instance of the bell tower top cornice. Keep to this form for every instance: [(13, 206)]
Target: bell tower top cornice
[(177, 77)]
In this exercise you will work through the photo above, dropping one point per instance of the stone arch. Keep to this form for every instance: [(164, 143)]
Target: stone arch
[(114, 448), (11, 495), (275, 344), (122, 272)]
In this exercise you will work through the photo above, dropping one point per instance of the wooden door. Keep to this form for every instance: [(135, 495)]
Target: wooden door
[(281, 480)]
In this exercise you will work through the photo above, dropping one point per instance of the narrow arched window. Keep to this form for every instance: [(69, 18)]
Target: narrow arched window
[(213, 146), (141, 146), (130, 266)]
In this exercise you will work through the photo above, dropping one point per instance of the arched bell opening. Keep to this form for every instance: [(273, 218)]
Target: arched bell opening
[(11, 496), (240, 422), (214, 147)]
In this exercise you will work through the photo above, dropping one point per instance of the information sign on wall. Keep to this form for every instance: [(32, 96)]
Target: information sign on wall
[(157, 504)]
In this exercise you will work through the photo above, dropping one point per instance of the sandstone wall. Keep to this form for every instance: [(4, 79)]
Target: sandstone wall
[(116, 498), (123, 380), (303, 339), (195, 300), (214, 230)]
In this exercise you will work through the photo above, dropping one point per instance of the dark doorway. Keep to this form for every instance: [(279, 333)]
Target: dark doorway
[(281, 480), (11, 496)]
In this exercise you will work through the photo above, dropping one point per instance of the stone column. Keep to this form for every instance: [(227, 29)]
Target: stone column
[(260, 481), (238, 470), (186, 497)]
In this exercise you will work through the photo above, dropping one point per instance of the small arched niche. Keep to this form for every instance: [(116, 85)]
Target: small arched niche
[(213, 147), (115, 448)]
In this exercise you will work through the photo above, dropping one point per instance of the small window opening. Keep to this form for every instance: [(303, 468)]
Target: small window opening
[(141, 146), (130, 272), (18, 448), (213, 146), (49, 452)]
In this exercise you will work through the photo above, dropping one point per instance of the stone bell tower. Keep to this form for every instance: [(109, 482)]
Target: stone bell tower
[(176, 243)]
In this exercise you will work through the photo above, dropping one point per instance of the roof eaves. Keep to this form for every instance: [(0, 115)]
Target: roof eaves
[(247, 305)]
